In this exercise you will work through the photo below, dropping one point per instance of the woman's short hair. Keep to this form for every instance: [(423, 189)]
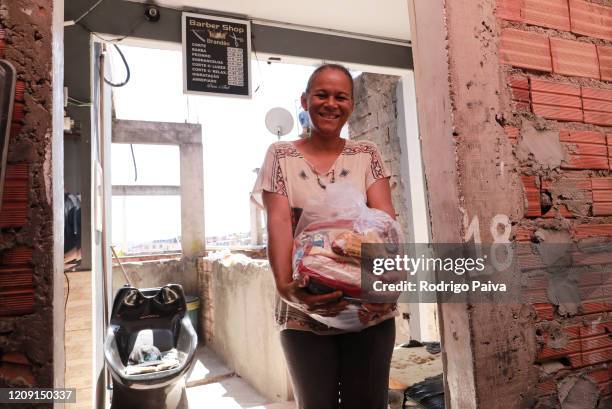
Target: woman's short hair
[(336, 67)]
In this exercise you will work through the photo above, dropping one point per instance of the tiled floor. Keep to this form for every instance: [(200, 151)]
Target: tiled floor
[(78, 338)]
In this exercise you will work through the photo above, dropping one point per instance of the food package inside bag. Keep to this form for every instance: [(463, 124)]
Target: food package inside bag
[(329, 235)]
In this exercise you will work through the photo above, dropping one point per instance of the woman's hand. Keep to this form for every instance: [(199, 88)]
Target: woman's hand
[(370, 312), (327, 305)]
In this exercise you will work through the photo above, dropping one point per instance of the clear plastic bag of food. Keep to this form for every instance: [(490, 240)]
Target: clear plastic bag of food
[(327, 247)]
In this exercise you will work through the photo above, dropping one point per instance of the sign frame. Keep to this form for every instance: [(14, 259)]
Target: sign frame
[(247, 23)]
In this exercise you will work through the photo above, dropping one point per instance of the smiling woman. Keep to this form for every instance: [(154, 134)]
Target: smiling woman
[(327, 365)]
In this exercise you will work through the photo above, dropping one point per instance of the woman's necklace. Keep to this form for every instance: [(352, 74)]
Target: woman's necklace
[(332, 171), (332, 180)]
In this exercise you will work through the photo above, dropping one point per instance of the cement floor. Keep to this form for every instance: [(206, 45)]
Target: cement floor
[(212, 383)]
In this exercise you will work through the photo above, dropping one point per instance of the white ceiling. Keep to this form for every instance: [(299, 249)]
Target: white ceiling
[(380, 18)]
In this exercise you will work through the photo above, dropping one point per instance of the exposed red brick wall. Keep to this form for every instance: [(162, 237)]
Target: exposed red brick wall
[(557, 58), (26, 219)]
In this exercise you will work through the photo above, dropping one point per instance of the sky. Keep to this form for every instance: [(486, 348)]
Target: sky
[(234, 140)]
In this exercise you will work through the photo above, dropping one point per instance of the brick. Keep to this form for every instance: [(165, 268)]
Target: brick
[(605, 62), (522, 106), (518, 81), (16, 303), (586, 156), (525, 49), (16, 128), (597, 356), (15, 206), (15, 278), (593, 230), (546, 13), (575, 360), (590, 19), (598, 118), (532, 194), (558, 113), (594, 307), (601, 375), (18, 111), (574, 58), (535, 281), (590, 278), (602, 209), (534, 296), (509, 9), (596, 93), (582, 137), (601, 183), (555, 100), (523, 234), (589, 149), (527, 262), (595, 328), (596, 105), (17, 255), (591, 259), (586, 162), (15, 191), (537, 84), (520, 94), (19, 91), (562, 100), (544, 311), (596, 342), (591, 293), (602, 195)]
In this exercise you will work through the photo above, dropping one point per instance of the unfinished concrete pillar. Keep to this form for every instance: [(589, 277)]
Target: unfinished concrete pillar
[(513, 108), (192, 200), (256, 225)]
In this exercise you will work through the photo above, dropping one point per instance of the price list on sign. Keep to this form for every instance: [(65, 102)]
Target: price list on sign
[(216, 55)]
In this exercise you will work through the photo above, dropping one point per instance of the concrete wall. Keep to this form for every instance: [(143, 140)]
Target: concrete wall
[(375, 119), (29, 258), (513, 99), (156, 273), (237, 322)]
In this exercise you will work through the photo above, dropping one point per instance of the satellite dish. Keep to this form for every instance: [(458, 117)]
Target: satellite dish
[(279, 121)]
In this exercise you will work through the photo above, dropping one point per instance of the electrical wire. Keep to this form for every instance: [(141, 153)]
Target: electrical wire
[(258, 65), (127, 70), (88, 11), (134, 162), (112, 40)]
